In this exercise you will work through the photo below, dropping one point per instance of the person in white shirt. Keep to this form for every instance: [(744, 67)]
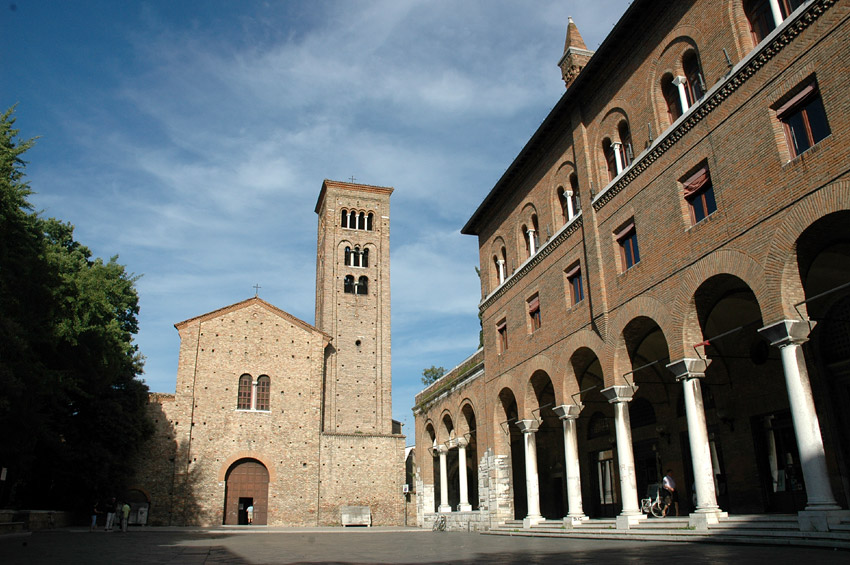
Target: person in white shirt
[(669, 484)]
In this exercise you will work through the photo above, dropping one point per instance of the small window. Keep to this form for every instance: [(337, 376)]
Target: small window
[(362, 285), (369, 221), (344, 218), (671, 98), (364, 258), (348, 256), (352, 220), (534, 313), (574, 284), (627, 240), (361, 224), (626, 151), (564, 203), (694, 83), (574, 199), (762, 17), (610, 159), (355, 257), (348, 284), (804, 119), (699, 193), (502, 332), (263, 392), (243, 400)]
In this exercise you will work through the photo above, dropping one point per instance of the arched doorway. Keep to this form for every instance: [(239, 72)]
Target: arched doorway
[(246, 485), (551, 467), (597, 455), (471, 462), (659, 440), (823, 260), (750, 428), (512, 435)]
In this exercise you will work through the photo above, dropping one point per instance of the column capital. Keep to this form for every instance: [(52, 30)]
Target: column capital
[(568, 411), (462, 442), (528, 426), (619, 393), (787, 332), (679, 80), (688, 368), (616, 144), (440, 449)]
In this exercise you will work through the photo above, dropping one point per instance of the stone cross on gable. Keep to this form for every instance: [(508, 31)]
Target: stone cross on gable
[(257, 288)]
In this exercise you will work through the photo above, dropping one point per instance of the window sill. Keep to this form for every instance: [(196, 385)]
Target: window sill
[(821, 145), (250, 411)]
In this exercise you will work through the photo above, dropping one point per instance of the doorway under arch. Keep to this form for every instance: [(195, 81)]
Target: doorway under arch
[(246, 485)]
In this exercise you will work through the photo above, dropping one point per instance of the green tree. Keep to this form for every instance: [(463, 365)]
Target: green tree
[(72, 409), (432, 374)]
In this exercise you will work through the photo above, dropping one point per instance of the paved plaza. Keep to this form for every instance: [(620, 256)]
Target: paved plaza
[(375, 545)]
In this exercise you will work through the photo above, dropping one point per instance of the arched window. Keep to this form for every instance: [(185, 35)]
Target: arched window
[(355, 257), (348, 256), (363, 285), (525, 240), (610, 158), (364, 258), (497, 271), (626, 152), (369, 219), (695, 85), (671, 98), (576, 202), (762, 18), (344, 218), (243, 399), (361, 221), (264, 387), (536, 234), (564, 202), (348, 284), (352, 220)]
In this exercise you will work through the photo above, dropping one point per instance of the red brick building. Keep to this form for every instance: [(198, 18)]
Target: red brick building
[(664, 277), (291, 420)]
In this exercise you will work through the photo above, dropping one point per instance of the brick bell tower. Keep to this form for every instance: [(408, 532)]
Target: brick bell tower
[(353, 306)]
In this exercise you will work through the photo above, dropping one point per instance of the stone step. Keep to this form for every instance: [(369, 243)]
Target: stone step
[(760, 518), (792, 526)]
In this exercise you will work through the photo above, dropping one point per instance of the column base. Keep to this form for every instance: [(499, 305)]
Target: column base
[(821, 520), (444, 509), (703, 518), (529, 521), (571, 521), (626, 521), (464, 508)]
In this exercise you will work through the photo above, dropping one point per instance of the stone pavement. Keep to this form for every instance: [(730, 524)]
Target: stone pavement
[(369, 545)]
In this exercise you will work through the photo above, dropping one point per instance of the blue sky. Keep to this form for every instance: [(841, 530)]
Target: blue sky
[(191, 139)]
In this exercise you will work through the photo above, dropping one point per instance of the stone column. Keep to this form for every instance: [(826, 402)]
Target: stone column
[(568, 413), (683, 95), (532, 243), (501, 263), (775, 12), (617, 147), (620, 396), (689, 372), (463, 505), (532, 487), (444, 480), (788, 336), (570, 211)]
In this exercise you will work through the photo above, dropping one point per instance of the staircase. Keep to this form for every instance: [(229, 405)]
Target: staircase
[(772, 529)]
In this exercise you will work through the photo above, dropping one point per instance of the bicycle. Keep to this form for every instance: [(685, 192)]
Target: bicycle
[(439, 524), (657, 506)]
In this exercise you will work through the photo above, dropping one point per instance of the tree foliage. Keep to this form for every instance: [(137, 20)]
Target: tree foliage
[(432, 374), (72, 410)]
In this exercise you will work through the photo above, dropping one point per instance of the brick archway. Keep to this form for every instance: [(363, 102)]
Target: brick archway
[(247, 482)]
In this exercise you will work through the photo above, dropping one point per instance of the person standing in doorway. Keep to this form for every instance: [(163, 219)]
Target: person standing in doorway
[(669, 485), (251, 514)]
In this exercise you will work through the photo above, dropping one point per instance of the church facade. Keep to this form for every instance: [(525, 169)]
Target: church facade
[(276, 421), (665, 284)]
